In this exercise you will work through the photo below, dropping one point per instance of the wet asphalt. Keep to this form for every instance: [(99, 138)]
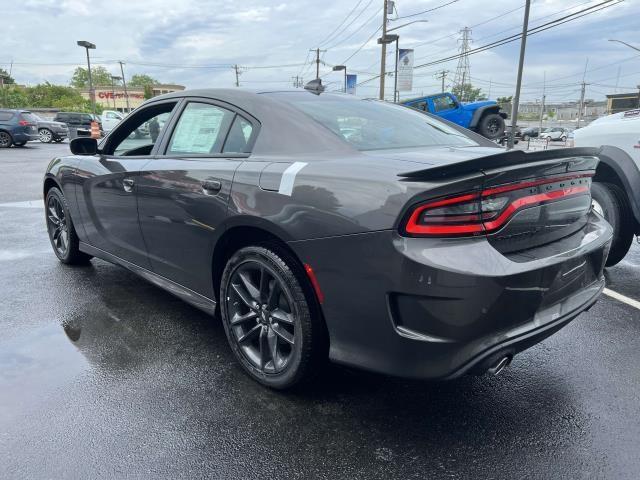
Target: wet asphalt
[(103, 375)]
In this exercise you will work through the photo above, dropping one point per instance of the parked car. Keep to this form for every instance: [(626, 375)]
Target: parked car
[(483, 117), (17, 127), (50, 131), (404, 245), (555, 134), (110, 118), (530, 132), (616, 187), (78, 120)]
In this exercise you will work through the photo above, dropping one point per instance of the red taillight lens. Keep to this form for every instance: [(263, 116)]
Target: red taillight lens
[(23, 123), (487, 211)]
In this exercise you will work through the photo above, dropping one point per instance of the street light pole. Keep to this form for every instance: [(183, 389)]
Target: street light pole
[(516, 97), (395, 75), (384, 50), (338, 68), (89, 46), (114, 78), (124, 84)]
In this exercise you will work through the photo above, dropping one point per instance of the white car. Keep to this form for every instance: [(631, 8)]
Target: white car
[(555, 133), (616, 187), (111, 118)]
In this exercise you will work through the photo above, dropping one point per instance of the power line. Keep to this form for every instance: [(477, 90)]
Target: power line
[(348, 25), (326, 39), (425, 11), (367, 22)]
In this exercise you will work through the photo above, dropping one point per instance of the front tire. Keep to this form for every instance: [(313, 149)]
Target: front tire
[(62, 234), (491, 126), (45, 135), (272, 322), (610, 201)]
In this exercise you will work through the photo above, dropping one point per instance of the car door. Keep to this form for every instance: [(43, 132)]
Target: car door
[(107, 195), (184, 191), (444, 106)]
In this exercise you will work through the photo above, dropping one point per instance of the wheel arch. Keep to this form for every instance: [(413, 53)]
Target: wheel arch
[(49, 183), (481, 112), (617, 167)]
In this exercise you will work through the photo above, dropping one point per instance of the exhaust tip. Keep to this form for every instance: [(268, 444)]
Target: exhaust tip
[(500, 365)]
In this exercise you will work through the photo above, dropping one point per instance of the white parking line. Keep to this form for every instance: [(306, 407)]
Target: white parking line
[(25, 204), (622, 298)]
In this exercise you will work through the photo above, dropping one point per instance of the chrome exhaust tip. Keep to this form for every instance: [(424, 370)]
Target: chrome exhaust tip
[(499, 366)]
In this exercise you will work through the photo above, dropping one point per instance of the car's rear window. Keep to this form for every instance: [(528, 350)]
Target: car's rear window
[(374, 125), (29, 117)]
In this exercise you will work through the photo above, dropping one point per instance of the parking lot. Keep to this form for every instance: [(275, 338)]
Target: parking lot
[(103, 375)]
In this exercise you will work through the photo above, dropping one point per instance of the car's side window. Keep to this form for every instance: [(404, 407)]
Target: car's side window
[(200, 130), (137, 135), (238, 137), (442, 103), (422, 106)]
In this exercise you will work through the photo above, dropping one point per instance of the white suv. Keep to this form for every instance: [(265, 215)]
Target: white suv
[(110, 118)]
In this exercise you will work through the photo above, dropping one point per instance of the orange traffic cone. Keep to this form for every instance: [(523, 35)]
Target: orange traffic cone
[(95, 130)]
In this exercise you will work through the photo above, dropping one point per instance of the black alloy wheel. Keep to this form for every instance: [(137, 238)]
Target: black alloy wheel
[(57, 226), (273, 330), (5, 140)]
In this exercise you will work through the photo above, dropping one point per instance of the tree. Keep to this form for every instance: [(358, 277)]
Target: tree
[(99, 75), (504, 99), (468, 93), (45, 96), (6, 78), (141, 80), (148, 92)]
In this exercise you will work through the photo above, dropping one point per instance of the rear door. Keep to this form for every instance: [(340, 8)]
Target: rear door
[(107, 197), (183, 193)]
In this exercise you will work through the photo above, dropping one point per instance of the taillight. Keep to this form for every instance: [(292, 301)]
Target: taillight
[(24, 123), (489, 210)]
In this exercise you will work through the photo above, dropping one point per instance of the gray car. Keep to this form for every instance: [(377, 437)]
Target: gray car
[(321, 226), (50, 131)]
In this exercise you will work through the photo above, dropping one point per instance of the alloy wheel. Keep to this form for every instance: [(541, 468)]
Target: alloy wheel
[(261, 317), (5, 140), (493, 127), (45, 135), (595, 205), (57, 225)]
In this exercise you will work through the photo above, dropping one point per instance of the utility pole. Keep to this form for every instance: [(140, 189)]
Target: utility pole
[(516, 97), (384, 49), (442, 75), (582, 92), (297, 81), (544, 97), (124, 84), (237, 70), (317, 51), (489, 94)]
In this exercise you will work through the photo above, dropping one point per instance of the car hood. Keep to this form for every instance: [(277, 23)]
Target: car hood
[(476, 105), (437, 155)]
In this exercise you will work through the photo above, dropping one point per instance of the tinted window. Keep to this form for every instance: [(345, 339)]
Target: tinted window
[(29, 117), (420, 106), (61, 117), (373, 125), (4, 116), (200, 130), (443, 103), (140, 133), (238, 137)]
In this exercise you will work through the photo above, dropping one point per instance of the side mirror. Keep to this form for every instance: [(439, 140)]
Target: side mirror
[(84, 146)]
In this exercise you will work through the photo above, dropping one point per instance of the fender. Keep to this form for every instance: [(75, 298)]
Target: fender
[(477, 115), (627, 172)]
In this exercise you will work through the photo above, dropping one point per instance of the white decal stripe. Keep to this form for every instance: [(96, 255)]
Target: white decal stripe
[(289, 178)]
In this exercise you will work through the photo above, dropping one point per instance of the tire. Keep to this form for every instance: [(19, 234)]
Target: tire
[(610, 201), (65, 244), (271, 318), (525, 138), (563, 139), (46, 136), (5, 139), (491, 126)]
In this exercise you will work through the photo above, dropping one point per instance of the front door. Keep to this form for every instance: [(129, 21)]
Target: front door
[(446, 107), (107, 194), (184, 191)]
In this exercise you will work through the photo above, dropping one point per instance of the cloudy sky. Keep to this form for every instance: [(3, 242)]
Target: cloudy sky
[(195, 42)]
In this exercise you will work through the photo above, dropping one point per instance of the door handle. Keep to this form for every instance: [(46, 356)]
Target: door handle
[(128, 184), (211, 187)]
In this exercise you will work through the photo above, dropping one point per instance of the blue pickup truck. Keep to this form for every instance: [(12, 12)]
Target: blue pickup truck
[(483, 117)]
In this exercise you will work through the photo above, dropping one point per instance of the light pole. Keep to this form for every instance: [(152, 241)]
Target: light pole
[(338, 68), (89, 46), (113, 90), (516, 97), (634, 48)]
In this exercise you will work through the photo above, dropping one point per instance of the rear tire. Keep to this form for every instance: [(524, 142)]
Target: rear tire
[(613, 205), (5, 140), (272, 322), (491, 126), (62, 234)]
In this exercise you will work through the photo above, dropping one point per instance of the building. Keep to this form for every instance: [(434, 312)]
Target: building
[(621, 102), (113, 98)]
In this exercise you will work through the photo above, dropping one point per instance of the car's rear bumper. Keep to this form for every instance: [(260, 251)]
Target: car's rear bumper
[(437, 308)]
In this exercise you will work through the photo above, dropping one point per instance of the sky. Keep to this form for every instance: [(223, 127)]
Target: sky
[(196, 42)]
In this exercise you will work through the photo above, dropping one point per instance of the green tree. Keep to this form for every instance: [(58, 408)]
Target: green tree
[(504, 99), (468, 93), (45, 96), (148, 92), (99, 76), (142, 80), (6, 78)]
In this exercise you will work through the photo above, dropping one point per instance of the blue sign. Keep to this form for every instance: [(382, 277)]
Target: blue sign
[(352, 81)]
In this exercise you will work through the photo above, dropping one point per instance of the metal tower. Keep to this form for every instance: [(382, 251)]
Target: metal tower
[(463, 70)]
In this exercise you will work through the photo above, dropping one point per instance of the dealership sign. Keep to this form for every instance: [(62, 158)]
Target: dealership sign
[(352, 80), (405, 70)]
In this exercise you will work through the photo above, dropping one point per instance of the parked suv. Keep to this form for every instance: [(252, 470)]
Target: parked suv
[(49, 131), (77, 120), (17, 127)]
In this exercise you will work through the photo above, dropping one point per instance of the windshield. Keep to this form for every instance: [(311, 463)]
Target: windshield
[(374, 125)]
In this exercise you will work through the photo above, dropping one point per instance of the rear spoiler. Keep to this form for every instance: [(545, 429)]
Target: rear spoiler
[(502, 159)]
